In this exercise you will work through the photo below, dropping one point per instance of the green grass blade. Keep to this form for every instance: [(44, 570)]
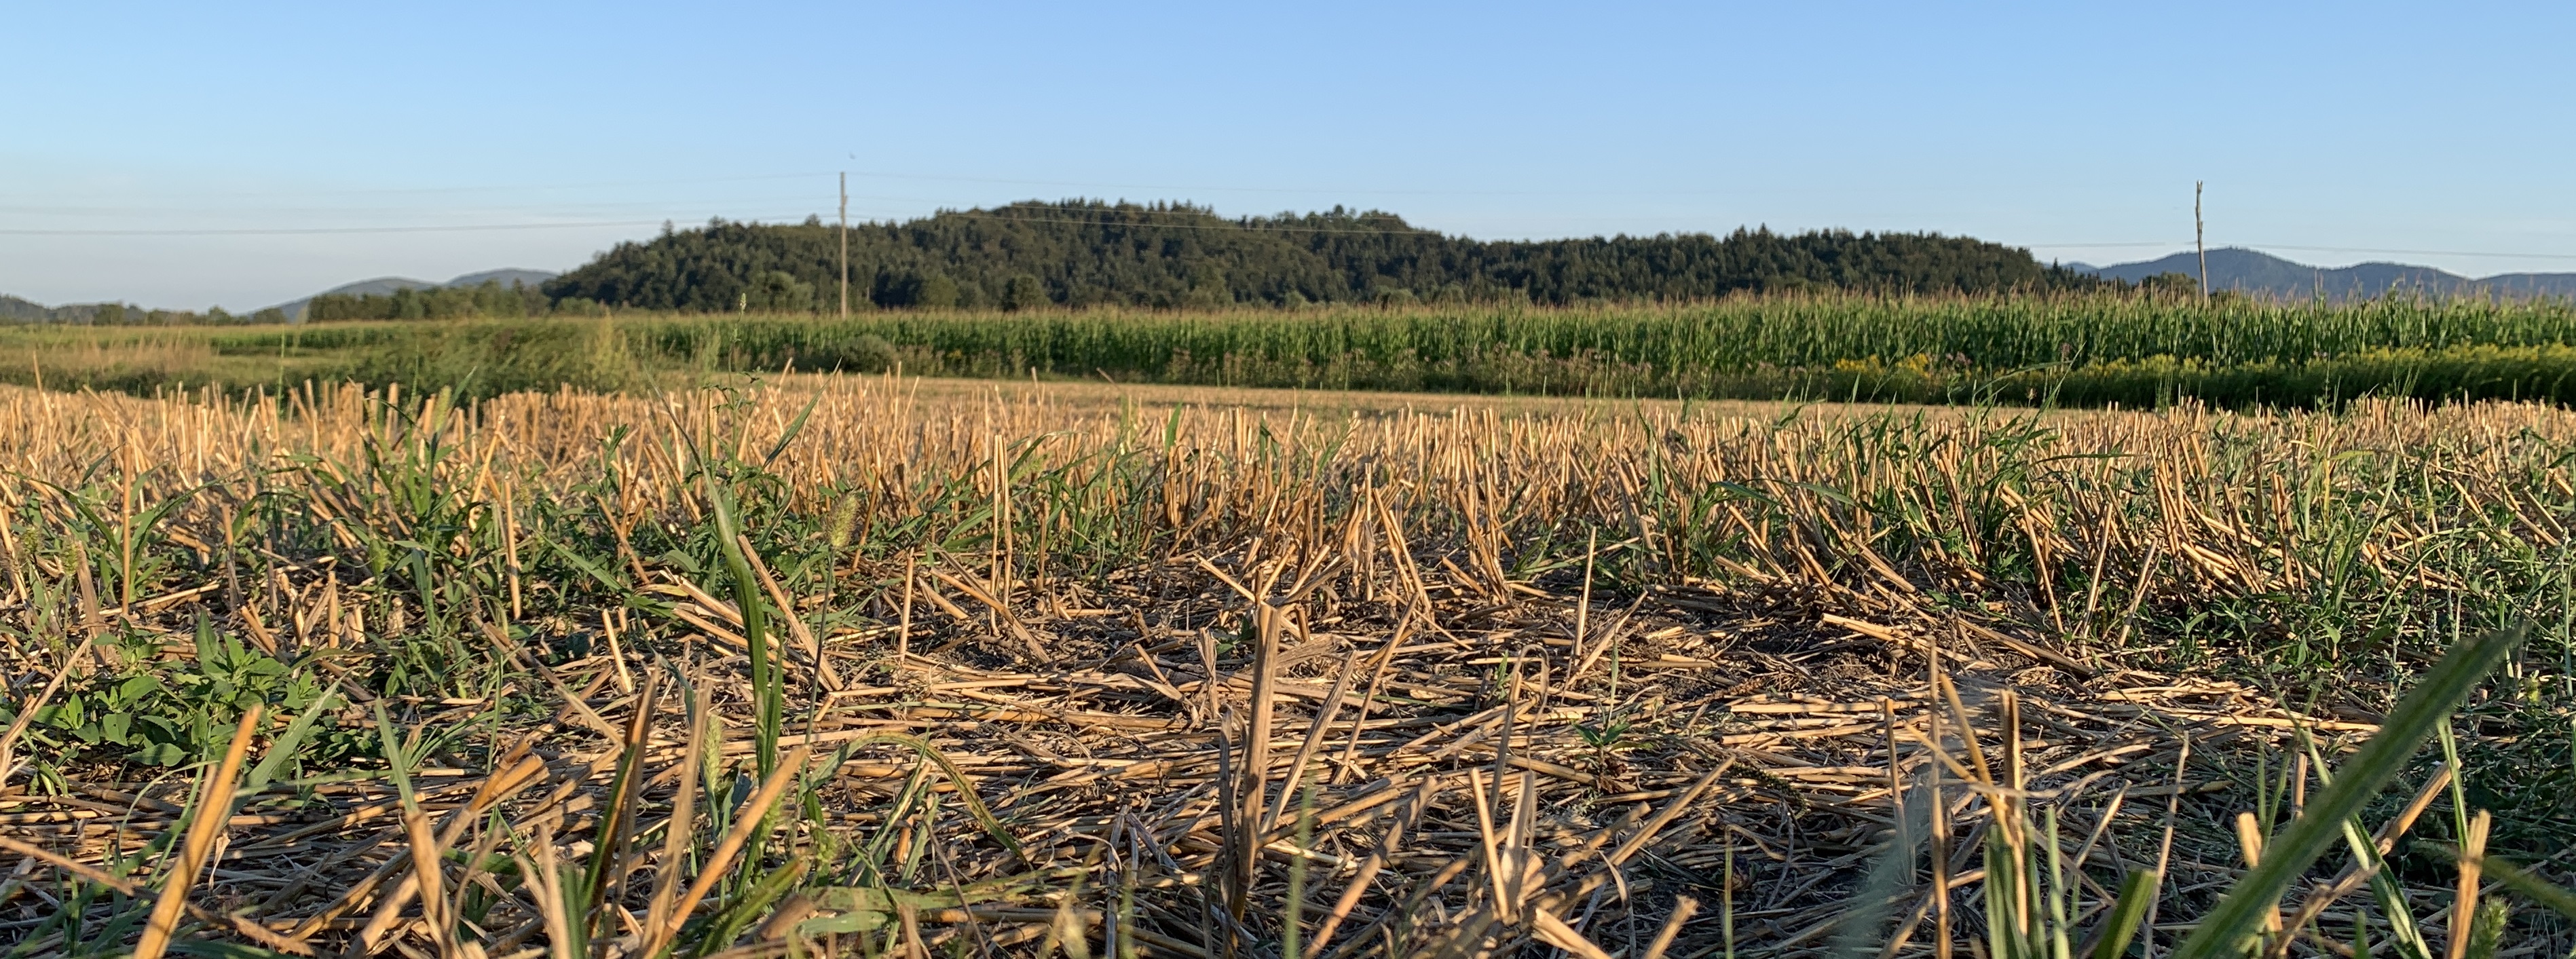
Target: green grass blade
[(282, 750), (728, 925), (223, 950), (397, 761), (766, 701), (2239, 915), (788, 436), (965, 787), (2126, 913), (2531, 887)]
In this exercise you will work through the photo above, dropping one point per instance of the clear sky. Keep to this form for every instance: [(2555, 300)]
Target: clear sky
[(2356, 126)]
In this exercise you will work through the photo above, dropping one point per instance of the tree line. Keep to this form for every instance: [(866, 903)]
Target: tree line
[(1086, 253), (488, 298), (15, 310)]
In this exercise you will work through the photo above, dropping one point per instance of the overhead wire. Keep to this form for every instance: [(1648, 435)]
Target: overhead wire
[(887, 175), (505, 187), (1297, 189), (894, 218), (293, 231), (2362, 249)]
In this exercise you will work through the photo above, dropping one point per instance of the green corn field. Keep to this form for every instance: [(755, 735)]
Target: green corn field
[(2132, 351)]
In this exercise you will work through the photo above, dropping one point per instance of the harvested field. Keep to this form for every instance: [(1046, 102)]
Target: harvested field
[(856, 666)]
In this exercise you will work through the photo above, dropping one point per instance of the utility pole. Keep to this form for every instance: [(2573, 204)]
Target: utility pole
[(845, 246), (2198, 240)]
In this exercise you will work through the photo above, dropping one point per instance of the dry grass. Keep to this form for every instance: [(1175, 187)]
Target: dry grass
[(888, 667)]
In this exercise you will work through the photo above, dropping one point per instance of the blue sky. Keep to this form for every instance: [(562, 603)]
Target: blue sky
[(2352, 126)]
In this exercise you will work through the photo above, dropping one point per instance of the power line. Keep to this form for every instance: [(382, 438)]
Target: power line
[(506, 187), (2358, 249), (563, 208), (1228, 225), (887, 175), (969, 179), (1286, 189), (287, 231), (2075, 245), (1231, 225), (1009, 217), (2260, 247)]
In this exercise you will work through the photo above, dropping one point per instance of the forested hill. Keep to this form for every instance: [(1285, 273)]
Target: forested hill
[(1082, 253)]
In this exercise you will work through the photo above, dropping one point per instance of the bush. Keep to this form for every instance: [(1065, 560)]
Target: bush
[(777, 291), (870, 353), (1024, 292), (934, 290)]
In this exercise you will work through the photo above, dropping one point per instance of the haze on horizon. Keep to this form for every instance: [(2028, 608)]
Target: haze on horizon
[(2323, 130)]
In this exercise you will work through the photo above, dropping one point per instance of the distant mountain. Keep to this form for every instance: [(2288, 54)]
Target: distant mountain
[(385, 285), (376, 287), (2259, 273), (503, 277), (2531, 284)]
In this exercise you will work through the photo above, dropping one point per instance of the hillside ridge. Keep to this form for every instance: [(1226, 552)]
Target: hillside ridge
[(2253, 271), (387, 285), (1087, 253)]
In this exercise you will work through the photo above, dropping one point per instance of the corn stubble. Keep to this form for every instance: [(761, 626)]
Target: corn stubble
[(831, 668)]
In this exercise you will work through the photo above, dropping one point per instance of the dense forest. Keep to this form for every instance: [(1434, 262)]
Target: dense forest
[(1085, 253)]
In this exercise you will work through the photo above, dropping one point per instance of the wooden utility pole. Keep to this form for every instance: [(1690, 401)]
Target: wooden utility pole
[(2198, 241), (845, 246)]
